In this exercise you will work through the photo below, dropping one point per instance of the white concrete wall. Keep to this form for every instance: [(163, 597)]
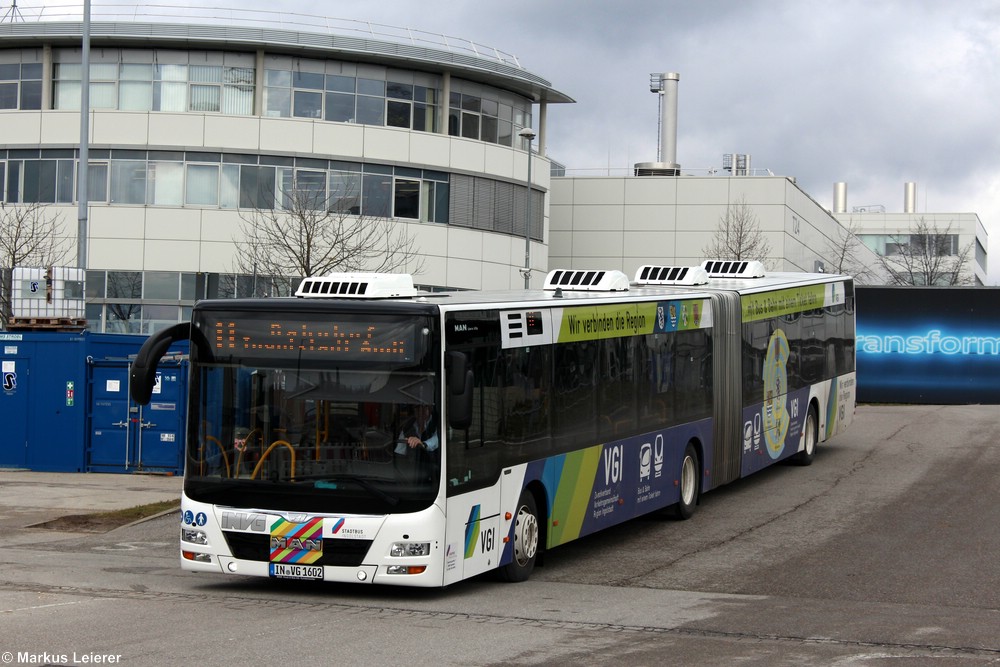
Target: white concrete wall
[(625, 222)]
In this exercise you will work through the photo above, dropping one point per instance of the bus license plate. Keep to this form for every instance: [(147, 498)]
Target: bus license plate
[(288, 571)]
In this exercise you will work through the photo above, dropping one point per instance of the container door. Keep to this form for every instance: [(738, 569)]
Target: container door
[(111, 422), (159, 437), (14, 409)]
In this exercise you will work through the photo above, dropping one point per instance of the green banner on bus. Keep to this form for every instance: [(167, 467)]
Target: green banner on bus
[(632, 319), (792, 300)]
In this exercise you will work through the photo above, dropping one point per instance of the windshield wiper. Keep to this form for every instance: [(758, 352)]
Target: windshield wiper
[(360, 481)]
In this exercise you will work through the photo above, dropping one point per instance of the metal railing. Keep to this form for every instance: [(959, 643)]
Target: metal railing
[(630, 171)]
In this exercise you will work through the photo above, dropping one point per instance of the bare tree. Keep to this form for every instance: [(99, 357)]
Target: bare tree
[(738, 235), (309, 232), (28, 237), (844, 251), (928, 255)]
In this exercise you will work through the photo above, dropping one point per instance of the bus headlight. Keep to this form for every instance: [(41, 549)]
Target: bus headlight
[(409, 549), (194, 536)]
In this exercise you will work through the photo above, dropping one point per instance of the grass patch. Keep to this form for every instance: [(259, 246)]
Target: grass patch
[(130, 514), (101, 522)]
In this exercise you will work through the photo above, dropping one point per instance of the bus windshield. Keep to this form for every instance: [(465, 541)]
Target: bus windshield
[(313, 413)]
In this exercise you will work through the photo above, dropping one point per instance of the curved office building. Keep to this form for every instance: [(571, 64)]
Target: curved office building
[(193, 127)]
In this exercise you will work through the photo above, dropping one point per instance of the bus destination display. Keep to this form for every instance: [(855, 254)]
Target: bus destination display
[(350, 340)]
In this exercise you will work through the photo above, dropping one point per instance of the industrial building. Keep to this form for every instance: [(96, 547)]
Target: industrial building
[(957, 235)]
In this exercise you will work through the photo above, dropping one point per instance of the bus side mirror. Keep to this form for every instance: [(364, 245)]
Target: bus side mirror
[(459, 391), (142, 377)]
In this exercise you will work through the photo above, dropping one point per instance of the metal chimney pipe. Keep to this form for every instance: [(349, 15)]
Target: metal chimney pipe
[(668, 112), (840, 197), (910, 197)]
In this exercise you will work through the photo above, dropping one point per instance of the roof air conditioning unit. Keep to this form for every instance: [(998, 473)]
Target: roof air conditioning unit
[(651, 274), (589, 280), (357, 286), (722, 268)]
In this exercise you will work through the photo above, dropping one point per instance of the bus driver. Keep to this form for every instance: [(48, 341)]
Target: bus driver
[(418, 431)]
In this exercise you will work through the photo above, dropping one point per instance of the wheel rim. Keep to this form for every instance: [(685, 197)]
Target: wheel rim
[(810, 435), (525, 536), (688, 477)]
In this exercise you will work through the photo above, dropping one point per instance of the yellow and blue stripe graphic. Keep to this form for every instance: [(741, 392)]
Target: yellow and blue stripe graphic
[(472, 531)]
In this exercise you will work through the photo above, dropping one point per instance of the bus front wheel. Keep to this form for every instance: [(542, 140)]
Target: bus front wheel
[(526, 538), (690, 484)]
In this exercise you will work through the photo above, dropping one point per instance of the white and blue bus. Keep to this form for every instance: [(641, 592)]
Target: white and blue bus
[(555, 413)]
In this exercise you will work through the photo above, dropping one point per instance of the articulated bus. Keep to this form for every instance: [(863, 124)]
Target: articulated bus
[(555, 413)]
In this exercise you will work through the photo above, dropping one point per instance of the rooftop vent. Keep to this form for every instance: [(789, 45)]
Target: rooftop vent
[(586, 280), (650, 274), (720, 268), (357, 286)]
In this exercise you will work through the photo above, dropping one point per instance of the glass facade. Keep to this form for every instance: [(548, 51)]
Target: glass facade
[(145, 302), (226, 180), (225, 83)]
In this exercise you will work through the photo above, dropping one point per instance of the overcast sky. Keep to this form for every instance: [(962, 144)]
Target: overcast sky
[(871, 93)]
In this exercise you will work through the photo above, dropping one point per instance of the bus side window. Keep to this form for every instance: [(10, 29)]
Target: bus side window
[(473, 453)]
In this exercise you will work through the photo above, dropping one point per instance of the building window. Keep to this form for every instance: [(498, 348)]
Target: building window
[(123, 318), (21, 86), (376, 192), (202, 185), (160, 285), (128, 182), (97, 182), (406, 198), (38, 181), (156, 87), (307, 94), (124, 285), (478, 115), (228, 181)]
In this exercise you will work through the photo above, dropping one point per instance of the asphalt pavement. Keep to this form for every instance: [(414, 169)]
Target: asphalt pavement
[(29, 498)]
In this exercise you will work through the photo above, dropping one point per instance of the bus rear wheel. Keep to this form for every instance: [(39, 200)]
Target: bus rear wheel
[(526, 540), (805, 457), (690, 484)]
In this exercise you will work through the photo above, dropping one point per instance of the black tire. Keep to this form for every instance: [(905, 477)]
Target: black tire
[(690, 484), (805, 457), (526, 540)]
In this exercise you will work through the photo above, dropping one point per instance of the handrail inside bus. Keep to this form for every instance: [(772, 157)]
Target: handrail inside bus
[(283, 443), (225, 457)]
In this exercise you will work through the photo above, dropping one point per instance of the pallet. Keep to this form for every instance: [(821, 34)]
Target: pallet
[(46, 324)]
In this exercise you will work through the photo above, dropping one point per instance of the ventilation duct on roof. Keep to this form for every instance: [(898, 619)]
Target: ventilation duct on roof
[(665, 84), (357, 286), (720, 268), (590, 280), (651, 274), (840, 197), (909, 197)]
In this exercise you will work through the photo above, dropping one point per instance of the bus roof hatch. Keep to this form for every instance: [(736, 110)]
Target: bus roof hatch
[(651, 274), (357, 286), (590, 280), (721, 268)]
